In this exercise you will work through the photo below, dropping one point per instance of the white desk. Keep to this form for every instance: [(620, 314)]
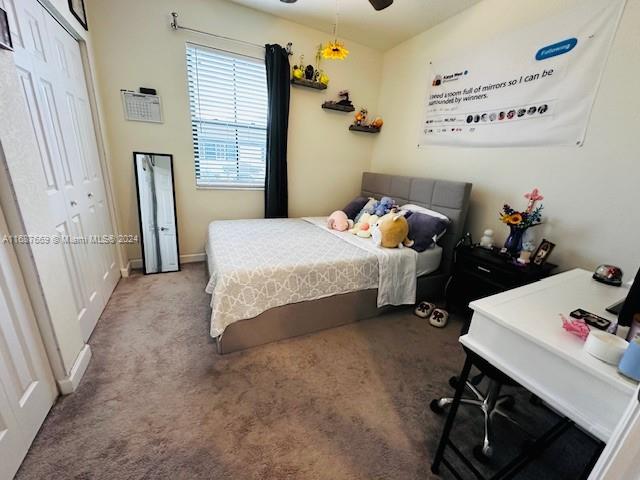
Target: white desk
[(520, 332)]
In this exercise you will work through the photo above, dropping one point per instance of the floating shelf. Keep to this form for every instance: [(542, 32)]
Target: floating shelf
[(301, 82), (338, 107), (366, 129)]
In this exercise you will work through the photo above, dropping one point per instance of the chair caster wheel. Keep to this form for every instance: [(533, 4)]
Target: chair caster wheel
[(435, 406), (483, 454), (453, 382)]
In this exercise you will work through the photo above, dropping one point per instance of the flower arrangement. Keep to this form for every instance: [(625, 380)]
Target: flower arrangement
[(528, 218), (519, 222)]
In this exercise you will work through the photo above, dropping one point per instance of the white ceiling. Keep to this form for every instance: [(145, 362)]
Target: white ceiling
[(360, 22)]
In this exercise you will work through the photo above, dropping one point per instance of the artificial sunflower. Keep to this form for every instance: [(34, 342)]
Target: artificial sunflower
[(515, 219), (335, 51)]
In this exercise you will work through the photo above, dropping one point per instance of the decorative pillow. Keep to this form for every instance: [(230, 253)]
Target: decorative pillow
[(417, 208), (425, 230), (355, 206), (370, 203)]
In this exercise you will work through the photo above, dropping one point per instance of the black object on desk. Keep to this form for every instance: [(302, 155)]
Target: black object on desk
[(479, 272)]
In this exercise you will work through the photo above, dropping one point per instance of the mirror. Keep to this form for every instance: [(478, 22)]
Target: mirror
[(157, 212)]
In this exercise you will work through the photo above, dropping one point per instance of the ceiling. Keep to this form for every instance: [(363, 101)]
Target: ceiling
[(360, 22)]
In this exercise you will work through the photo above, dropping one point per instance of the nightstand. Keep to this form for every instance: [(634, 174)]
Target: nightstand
[(479, 273)]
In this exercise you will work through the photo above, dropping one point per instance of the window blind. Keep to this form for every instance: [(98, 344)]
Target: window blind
[(228, 102)]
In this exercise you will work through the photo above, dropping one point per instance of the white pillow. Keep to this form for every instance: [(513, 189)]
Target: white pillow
[(417, 208)]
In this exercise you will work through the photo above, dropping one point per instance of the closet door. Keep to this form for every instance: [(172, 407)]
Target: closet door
[(51, 73), (27, 388)]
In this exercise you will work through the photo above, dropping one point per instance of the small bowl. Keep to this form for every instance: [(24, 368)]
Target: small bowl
[(605, 346)]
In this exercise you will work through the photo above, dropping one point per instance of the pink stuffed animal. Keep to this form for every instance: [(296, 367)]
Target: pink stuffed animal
[(338, 221)]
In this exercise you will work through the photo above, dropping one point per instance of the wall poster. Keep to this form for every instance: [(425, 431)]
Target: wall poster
[(531, 87)]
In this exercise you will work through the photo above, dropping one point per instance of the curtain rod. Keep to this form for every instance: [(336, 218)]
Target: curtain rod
[(175, 26)]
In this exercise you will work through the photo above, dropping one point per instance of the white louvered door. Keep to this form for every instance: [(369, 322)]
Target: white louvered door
[(27, 387), (51, 73)]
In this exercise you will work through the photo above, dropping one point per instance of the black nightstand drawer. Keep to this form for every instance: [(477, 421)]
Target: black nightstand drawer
[(480, 273)]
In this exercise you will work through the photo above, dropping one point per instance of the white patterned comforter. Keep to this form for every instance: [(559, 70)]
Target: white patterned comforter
[(256, 265)]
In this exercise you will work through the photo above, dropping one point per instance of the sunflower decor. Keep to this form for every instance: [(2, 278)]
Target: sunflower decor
[(519, 222), (335, 51)]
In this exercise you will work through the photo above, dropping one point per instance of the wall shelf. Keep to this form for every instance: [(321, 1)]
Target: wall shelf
[(337, 107), (301, 82), (365, 129)]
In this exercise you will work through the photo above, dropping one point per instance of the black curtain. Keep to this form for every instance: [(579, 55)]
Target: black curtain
[(276, 196)]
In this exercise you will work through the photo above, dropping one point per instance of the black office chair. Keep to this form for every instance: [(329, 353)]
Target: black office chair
[(490, 403)]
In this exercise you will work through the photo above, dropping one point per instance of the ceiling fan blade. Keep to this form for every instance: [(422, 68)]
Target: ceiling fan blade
[(380, 4)]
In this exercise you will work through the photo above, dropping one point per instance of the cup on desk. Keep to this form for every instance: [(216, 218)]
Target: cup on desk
[(630, 362)]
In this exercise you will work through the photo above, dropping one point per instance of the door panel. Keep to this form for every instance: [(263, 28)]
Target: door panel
[(27, 387), (56, 95)]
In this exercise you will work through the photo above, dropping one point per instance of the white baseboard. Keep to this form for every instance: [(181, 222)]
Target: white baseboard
[(126, 271), (71, 382), (190, 258)]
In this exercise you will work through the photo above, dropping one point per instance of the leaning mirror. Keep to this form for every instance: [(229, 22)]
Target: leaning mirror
[(157, 212)]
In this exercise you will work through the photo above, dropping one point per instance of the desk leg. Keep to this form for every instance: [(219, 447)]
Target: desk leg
[(453, 409)]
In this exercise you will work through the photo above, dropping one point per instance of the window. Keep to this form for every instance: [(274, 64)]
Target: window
[(228, 102)]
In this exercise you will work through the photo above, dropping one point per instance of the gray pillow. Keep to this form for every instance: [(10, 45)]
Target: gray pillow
[(425, 229)]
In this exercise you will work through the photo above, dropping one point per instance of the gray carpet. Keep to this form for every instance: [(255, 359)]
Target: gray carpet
[(346, 403)]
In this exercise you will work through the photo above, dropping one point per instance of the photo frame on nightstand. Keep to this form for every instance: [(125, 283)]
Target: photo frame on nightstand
[(543, 252), (5, 33)]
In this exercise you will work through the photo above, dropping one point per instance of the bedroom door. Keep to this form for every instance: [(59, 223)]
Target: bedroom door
[(51, 73), (27, 387)]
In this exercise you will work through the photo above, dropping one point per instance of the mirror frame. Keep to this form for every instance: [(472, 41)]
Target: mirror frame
[(175, 213)]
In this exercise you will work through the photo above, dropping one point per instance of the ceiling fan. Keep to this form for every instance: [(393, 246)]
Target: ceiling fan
[(380, 4), (377, 4)]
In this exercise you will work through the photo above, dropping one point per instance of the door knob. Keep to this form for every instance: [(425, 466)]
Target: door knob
[(163, 229), (90, 195), (73, 203)]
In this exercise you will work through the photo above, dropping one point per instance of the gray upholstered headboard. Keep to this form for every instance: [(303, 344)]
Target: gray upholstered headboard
[(444, 196)]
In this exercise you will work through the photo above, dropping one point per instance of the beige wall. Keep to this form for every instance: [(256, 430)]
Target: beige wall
[(135, 47), (591, 193)]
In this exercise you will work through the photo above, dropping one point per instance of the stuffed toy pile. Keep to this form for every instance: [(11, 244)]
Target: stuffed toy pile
[(392, 231), (382, 206), (338, 221), (364, 225)]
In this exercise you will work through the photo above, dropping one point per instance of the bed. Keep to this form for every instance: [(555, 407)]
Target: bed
[(279, 278)]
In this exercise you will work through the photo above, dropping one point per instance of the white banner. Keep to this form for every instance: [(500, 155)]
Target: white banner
[(531, 87)]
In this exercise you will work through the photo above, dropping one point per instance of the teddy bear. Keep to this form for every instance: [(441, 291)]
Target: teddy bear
[(364, 225), (392, 231), (382, 206), (338, 221)]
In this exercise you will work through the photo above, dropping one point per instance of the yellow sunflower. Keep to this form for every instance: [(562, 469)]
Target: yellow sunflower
[(515, 219), (335, 51)]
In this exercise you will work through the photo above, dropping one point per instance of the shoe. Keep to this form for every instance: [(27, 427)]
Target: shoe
[(439, 318), (424, 309)]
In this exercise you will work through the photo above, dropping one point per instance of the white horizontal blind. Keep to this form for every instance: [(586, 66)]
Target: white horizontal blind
[(228, 101)]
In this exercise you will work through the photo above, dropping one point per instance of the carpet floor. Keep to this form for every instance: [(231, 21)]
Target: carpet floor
[(346, 403)]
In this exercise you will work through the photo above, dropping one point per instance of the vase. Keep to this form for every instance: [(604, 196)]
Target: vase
[(513, 244)]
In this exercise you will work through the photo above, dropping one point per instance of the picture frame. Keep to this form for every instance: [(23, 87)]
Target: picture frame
[(5, 33), (543, 252), (77, 9)]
